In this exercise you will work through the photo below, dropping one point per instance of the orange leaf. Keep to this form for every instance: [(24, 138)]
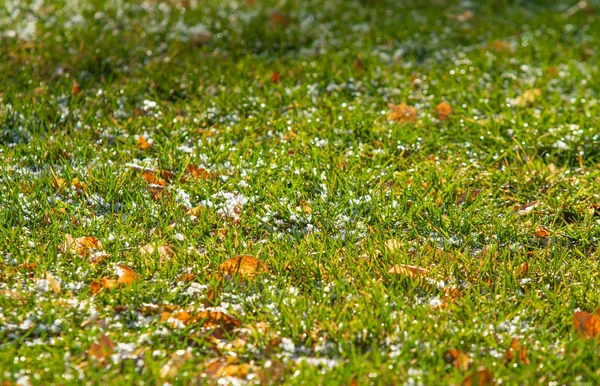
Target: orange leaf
[(458, 359), (517, 349), (245, 265), (98, 284), (101, 350), (407, 270), (82, 246), (75, 89), (198, 172), (443, 111), (402, 113), (585, 324), (542, 231), (143, 144), (126, 275), (151, 178), (480, 377)]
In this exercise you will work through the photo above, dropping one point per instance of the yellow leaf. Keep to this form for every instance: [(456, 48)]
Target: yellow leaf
[(245, 265), (81, 246)]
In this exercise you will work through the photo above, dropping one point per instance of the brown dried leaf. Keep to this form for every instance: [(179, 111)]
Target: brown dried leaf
[(402, 113), (542, 231), (165, 252), (143, 144), (518, 350), (586, 325), (198, 172), (245, 265), (101, 350), (81, 246), (458, 359), (151, 178), (75, 89), (443, 111), (480, 377), (126, 275), (227, 366), (407, 270), (98, 284)]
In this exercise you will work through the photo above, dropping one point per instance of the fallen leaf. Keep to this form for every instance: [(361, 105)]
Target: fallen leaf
[(275, 77), (542, 231), (143, 144), (75, 89), (402, 113), (208, 319), (528, 97), (480, 377), (81, 246), (587, 325), (58, 183), (458, 359), (227, 366), (165, 252), (98, 284), (443, 111), (393, 245), (195, 211), (501, 47), (101, 350), (126, 275), (518, 350), (407, 270), (198, 172), (244, 265)]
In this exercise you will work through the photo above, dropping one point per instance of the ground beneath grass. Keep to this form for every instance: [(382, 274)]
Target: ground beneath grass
[(299, 192)]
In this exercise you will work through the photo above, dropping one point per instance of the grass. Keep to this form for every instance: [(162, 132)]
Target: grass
[(283, 110)]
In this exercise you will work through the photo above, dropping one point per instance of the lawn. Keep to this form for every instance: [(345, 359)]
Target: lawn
[(299, 192)]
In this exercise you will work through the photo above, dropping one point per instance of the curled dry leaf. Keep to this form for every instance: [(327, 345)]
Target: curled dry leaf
[(143, 144), (245, 265), (101, 350), (443, 111), (407, 270), (587, 325), (402, 113), (165, 252), (480, 377), (458, 359), (81, 246), (542, 231)]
